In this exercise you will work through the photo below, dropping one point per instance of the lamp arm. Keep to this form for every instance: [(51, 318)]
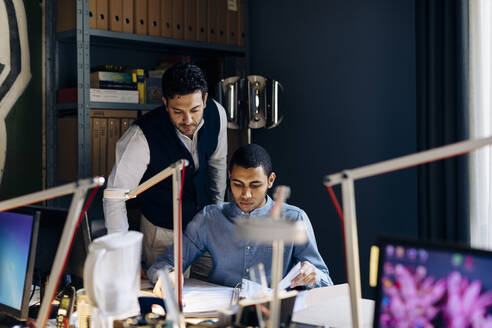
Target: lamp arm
[(158, 177), (281, 194), (176, 170), (125, 194), (347, 178), (407, 161), (50, 193)]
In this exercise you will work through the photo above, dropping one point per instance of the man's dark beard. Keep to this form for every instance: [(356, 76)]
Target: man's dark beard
[(177, 126), (187, 125)]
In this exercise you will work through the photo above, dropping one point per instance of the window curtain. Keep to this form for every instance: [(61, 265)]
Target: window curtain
[(442, 117), (480, 121)]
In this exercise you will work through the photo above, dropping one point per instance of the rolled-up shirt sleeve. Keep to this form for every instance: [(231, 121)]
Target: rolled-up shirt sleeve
[(309, 252), (218, 161), (132, 159)]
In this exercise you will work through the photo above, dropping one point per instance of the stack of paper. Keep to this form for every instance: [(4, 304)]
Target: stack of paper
[(203, 299)]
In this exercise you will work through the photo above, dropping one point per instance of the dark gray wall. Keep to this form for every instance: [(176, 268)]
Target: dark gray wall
[(23, 163), (348, 68)]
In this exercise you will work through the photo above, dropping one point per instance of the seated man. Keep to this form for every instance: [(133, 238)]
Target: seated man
[(213, 230)]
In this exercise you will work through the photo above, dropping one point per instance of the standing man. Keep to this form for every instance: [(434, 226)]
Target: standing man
[(189, 125)]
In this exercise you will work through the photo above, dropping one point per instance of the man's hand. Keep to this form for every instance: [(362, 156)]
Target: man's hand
[(306, 277), (157, 291)]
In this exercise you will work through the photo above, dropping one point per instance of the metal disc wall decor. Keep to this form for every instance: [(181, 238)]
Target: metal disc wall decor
[(251, 102)]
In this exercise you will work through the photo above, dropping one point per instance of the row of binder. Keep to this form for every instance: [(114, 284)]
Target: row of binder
[(107, 126), (214, 21)]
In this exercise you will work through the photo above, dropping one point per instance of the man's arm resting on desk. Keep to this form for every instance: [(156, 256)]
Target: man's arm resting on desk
[(132, 158), (194, 245)]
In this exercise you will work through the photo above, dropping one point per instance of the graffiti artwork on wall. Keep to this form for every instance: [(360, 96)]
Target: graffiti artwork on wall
[(15, 71)]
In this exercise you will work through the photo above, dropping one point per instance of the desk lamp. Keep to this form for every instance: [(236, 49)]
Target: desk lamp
[(346, 179), (79, 189), (178, 179), (276, 230)]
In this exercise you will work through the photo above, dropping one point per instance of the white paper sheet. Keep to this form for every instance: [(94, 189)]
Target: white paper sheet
[(250, 289), (203, 299), (294, 272)]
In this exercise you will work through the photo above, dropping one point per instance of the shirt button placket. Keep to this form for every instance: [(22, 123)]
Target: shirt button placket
[(246, 262), (247, 255)]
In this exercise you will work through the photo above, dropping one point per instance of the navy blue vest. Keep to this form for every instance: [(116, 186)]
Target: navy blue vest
[(165, 149)]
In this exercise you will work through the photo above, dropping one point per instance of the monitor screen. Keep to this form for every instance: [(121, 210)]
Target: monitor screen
[(430, 285), (18, 236), (51, 227)]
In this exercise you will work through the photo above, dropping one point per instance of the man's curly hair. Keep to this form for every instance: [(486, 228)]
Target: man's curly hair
[(182, 79), (251, 155)]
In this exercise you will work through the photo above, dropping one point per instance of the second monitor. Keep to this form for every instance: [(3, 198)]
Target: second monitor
[(51, 226)]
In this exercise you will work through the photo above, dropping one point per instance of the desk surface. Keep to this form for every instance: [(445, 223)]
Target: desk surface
[(330, 306), (325, 306)]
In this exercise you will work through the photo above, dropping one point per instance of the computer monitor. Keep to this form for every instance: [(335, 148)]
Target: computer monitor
[(51, 226), (432, 285), (18, 238)]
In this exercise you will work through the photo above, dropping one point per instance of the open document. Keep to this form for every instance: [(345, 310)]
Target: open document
[(250, 289)]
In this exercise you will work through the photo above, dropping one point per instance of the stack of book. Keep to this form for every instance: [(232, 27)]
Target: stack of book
[(115, 87)]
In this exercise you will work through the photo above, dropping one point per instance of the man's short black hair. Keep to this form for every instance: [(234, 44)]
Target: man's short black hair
[(182, 79), (252, 155)]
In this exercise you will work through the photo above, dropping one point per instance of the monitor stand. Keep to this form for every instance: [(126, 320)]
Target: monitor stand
[(8, 321), (34, 310)]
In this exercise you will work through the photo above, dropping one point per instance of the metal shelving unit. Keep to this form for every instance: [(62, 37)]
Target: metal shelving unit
[(108, 105), (125, 40), (84, 39)]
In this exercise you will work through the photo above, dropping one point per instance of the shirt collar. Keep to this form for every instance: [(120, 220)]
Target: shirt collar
[(233, 211)]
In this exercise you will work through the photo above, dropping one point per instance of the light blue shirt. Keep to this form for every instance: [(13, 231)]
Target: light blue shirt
[(213, 230)]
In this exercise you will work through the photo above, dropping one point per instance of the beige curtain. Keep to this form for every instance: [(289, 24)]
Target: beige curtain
[(481, 122)]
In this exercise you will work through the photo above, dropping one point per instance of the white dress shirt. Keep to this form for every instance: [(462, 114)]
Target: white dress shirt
[(133, 157)]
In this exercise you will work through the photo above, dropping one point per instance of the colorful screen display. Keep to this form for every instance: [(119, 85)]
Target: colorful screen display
[(15, 242), (430, 287)]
